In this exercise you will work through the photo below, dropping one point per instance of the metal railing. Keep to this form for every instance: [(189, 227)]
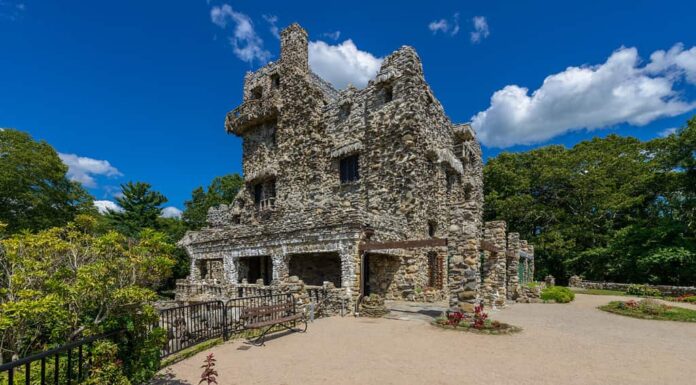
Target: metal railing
[(187, 326), (67, 364)]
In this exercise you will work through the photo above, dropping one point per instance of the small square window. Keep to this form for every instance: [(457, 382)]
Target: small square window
[(344, 112), (349, 169), (388, 94), (264, 195), (256, 93), (275, 81)]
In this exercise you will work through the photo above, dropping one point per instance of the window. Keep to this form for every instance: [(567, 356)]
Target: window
[(467, 192), (275, 81), (264, 195), (450, 179), (388, 94), (344, 111), (349, 169), (435, 271), (256, 93), (432, 228)]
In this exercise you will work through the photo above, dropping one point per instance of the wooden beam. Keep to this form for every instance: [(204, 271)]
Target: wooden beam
[(413, 244)]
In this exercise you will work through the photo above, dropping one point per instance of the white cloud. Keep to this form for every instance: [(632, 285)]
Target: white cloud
[(445, 26), (272, 21), (588, 97), (335, 35), (481, 30), (674, 62), (83, 169), (105, 206), (245, 42), (343, 64), (667, 132), (171, 212)]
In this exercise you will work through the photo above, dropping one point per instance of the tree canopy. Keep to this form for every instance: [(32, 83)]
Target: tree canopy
[(223, 189), (35, 192), (141, 208), (609, 209)]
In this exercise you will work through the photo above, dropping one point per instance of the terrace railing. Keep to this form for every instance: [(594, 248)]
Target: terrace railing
[(67, 364)]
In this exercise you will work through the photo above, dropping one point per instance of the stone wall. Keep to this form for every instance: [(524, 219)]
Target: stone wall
[(494, 290), (513, 263), (667, 290)]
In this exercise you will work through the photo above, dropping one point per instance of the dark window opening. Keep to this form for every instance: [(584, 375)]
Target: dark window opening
[(432, 228), (349, 169), (344, 111), (264, 195), (256, 93), (467, 192), (435, 270), (255, 268), (450, 179), (272, 136), (388, 94), (275, 81)]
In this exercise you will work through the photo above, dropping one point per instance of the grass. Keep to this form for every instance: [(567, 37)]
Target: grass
[(599, 292), (649, 309)]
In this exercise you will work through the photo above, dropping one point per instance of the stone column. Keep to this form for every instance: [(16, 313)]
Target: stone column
[(513, 263), (524, 247), (350, 271), (281, 267), (231, 268), (530, 251), (463, 277), (494, 287), (195, 270)]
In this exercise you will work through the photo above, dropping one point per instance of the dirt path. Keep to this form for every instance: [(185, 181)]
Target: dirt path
[(560, 344)]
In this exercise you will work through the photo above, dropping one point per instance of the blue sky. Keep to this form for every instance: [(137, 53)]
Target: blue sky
[(138, 90)]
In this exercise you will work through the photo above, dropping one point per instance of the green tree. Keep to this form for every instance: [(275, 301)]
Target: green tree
[(223, 189), (66, 282), (35, 192), (141, 209), (609, 209)]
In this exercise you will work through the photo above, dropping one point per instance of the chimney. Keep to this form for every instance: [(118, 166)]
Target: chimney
[(293, 48)]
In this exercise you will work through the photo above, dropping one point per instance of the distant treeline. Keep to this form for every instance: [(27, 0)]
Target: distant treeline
[(614, 209)]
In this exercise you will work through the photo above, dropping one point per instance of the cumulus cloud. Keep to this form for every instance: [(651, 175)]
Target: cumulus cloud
[(82, 169), (343, 63), (335, 35), (272, 21), (171, 212), (588, 97), (481, 30), (246, 43), (668, 131), (104, 207), (446, 27), (674, 62)]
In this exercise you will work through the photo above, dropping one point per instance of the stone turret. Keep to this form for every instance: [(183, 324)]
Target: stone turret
[(294, 52)]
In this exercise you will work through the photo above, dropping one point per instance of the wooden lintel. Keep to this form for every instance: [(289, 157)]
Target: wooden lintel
[(489, 246), (414, 244)]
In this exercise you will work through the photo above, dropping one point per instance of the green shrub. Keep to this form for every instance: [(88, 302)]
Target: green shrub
[(643, 291), (559, 294), (690, 299)]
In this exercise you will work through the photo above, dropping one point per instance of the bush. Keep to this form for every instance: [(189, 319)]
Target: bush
[(643, 291), (559, 294)]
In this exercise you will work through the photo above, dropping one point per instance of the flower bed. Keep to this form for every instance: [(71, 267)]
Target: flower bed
[(650, 309), (476, 323)]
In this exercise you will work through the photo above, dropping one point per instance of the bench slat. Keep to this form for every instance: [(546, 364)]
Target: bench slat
[(266, 310), (261, 324)]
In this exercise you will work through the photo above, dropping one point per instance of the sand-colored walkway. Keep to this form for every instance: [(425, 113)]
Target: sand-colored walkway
[(560, 344)]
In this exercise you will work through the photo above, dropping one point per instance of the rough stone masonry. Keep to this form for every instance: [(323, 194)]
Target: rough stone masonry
[(323, 166)]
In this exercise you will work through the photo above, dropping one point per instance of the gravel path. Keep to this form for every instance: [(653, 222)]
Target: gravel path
[(561, 344)]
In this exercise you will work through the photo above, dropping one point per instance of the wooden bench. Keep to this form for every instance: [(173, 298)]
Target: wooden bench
[(266, 317)]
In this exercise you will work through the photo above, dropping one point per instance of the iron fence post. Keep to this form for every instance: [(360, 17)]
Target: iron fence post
[(225, 333)]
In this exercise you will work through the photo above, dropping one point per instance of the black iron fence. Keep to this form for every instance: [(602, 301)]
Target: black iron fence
[(187, 326), (68, 364)]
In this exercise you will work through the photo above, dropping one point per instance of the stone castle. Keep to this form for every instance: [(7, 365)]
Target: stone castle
[(371, 191)]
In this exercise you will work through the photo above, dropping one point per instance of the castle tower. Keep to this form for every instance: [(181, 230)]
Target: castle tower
[(294, 49)]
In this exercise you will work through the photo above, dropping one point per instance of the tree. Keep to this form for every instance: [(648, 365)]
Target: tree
[(222, 190), (141, 209), (609, 209), (35, 192), (66, 282)]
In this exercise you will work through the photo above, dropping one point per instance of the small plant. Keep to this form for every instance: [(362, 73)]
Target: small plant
[(209, 375), (689, 298), (558, 294), (454, 318), (479, 317), (643, 291)]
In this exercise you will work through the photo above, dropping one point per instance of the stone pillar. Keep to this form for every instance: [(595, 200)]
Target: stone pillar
[(575, 281), (350, 271), (530, 251), (513, 264), (281, 267), (293, 49), (463, 275), (525, 262), (230, 267), (494, 287)]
